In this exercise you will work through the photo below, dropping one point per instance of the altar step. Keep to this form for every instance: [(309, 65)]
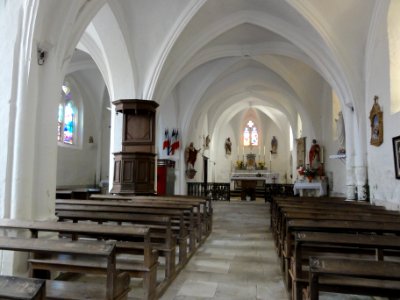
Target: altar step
[(260, 193)]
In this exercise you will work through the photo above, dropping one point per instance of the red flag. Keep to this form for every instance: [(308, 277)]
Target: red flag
[(166, 142)]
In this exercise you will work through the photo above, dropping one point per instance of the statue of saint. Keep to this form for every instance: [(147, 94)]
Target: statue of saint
[(191, 155), (315, 155), (206, 142), (274, 145), (228, 146), (340, 131)]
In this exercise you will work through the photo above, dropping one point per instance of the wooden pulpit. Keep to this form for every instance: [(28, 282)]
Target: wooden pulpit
[(134, 166)]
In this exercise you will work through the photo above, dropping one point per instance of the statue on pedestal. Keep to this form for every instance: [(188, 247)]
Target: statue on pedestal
[(190, 159), (274, 145)]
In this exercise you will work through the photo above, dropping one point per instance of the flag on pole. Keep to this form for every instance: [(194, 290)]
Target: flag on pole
[(174, 141), (166, 142)]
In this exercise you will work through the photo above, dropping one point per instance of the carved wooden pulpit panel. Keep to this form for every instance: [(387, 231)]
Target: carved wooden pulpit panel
[(134, 166)]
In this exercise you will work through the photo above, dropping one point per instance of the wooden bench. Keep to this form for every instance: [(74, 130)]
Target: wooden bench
[(144, 266), (131, 206), (183, 227), (338, 226), (12, 287), (203, 219), (328, 214), (205, 204), (161, 236), (117, 284), (371, 247), (373, 278)]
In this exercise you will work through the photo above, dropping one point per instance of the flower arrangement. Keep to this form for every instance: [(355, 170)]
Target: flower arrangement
[(261, 165), (308, 172), (239, 164)]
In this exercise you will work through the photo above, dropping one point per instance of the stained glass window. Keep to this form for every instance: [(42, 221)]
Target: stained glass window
[(67, 120), (250, 134), (246, 137), (254, 136)]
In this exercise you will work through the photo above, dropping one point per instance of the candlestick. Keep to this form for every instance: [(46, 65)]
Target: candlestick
[(322, 154), (264, 151), (270, 155)]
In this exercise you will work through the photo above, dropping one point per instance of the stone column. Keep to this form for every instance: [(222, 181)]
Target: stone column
[(350, 181), (361, 179)]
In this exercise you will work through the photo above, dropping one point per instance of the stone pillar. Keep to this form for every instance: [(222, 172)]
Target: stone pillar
[(361, 179), (350, 180), (350, 186)]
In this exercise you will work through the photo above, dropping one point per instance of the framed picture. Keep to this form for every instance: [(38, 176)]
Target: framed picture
[(396, 153), (301, 152), (376, 118)]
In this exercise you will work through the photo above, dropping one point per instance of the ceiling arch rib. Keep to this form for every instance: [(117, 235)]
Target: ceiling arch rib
[(271, 94), (324, 62), (240, 102), (110, 52)]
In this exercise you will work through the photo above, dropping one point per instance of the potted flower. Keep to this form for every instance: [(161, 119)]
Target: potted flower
[(239, 165), (261, 165), (309, 173)]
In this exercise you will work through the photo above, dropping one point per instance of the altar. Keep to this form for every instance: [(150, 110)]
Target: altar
[(319, 187), (248, 181)]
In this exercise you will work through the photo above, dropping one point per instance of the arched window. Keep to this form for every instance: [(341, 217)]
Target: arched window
[(67, 117), (250, 134)]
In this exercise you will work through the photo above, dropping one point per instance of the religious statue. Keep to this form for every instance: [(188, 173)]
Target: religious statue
[(341, 134), (206, 142), (315, 155), (228, 146), (274, 145), (191, 156)]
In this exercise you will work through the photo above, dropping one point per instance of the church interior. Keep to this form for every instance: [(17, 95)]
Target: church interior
[(247, 101)]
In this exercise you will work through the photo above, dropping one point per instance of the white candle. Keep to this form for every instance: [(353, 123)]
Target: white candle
[(264, 151)]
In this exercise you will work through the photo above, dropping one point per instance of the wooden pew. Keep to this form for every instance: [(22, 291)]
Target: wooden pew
[(183, 230), (117, 284), (374, 278), (206, 204), (330, 213), (315, 210), (371, 247), (131, 239), (202, 209), (12, 287), (161, 236), (338, 226), (132, 205)]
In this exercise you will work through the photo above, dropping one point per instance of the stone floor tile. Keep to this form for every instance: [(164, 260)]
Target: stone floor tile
[(238, 261), (201, 289)]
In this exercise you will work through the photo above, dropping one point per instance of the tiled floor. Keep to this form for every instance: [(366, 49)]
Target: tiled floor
[(238, 260)]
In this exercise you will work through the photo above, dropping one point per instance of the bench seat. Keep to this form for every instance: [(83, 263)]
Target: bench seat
[(12, 287), (349, 276), (68, 290)]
